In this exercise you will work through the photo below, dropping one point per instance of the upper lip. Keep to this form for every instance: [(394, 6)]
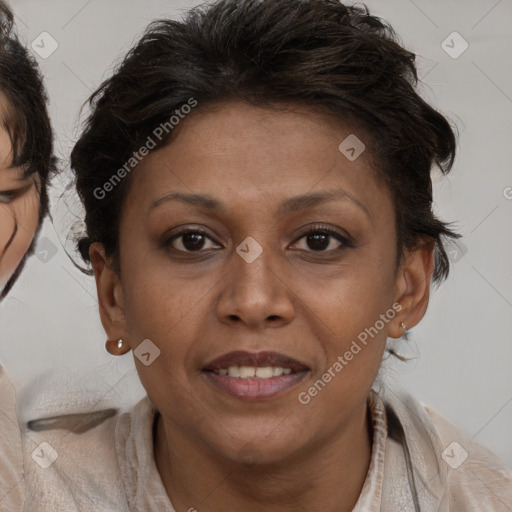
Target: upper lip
[(243, 358)]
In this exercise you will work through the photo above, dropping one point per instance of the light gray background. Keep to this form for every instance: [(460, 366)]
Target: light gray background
[(52, 343)]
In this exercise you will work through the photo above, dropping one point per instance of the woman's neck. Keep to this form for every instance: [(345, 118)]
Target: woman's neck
[(327, 477)]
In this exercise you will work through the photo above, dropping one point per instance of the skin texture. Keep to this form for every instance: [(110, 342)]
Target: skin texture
[(303, 303), (19, 208)]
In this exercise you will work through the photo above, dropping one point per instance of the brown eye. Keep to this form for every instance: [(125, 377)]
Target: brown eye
[(318, 241), (322, 240), (191, 241)]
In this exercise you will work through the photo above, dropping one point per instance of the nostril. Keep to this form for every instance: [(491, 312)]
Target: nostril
[(273, 317)]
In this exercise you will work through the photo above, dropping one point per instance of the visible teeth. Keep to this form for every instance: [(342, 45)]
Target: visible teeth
[(234, 371), (264, 373), (252, 372), (247, 372)]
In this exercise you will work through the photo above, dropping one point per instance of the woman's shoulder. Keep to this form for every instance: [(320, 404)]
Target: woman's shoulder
[(451, 470), (477, 478), (71, 463)]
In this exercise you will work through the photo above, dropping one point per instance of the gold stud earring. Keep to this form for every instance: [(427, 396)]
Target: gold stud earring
[(116, 347)]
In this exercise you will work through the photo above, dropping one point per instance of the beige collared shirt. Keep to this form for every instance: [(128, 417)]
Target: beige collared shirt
[(111, 467), (12, 483)]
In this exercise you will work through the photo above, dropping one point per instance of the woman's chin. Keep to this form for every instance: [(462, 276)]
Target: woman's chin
[(257, 452)]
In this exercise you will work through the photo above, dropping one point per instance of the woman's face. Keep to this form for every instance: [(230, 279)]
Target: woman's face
[(19, 211), (247, 280)]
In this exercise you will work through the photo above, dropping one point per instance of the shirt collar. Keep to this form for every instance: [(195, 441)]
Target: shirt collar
[(371, 493), (145, 490)]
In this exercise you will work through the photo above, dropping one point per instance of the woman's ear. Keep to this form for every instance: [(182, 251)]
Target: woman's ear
[(110, 295), (413, 287)]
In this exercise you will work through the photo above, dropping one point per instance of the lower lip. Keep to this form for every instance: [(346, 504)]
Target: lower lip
[(255, 389)]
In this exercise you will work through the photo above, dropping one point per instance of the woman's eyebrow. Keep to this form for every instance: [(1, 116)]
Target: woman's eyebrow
[(305, 201), (290, 205), (202, 200)]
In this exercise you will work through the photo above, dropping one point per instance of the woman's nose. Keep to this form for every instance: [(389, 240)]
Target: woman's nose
[(255, 291)]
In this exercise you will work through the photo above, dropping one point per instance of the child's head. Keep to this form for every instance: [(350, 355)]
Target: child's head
[(26, 158)]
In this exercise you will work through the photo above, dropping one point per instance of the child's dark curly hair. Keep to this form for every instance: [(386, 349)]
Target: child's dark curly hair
[(25, 117)]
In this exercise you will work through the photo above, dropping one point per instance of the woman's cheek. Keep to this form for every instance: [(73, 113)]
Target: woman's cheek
[(161, 295)]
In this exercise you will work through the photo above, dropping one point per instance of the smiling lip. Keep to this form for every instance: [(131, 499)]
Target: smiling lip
[(243, 358), (254, 388)]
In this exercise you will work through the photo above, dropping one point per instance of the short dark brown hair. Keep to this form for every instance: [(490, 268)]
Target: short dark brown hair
[(319, 53)]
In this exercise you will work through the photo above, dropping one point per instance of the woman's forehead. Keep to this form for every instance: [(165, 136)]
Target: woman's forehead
[(230, 140), (230, 116), (242, 153)]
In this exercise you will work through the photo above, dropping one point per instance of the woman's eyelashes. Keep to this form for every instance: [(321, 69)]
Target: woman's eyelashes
[(319, 239), (191, 240), (323, 239)]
